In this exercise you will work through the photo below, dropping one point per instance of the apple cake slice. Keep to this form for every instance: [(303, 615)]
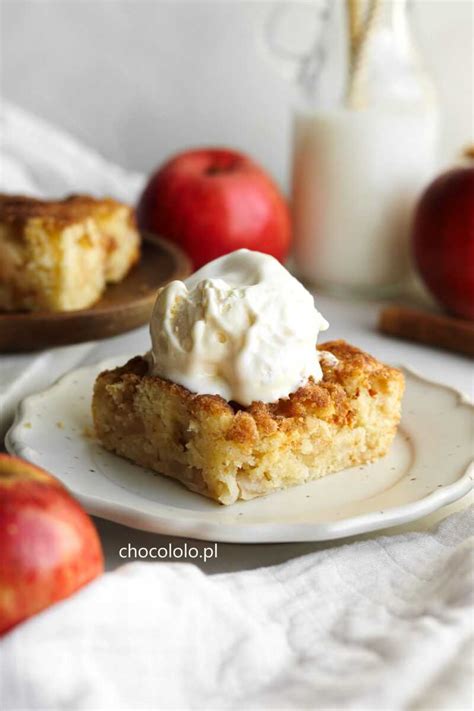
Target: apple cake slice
[(59, 255), (228, 452)]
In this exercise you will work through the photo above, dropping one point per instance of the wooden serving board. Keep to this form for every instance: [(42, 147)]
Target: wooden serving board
[(124, 306)]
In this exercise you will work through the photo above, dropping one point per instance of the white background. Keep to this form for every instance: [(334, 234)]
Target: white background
[(140, 79)]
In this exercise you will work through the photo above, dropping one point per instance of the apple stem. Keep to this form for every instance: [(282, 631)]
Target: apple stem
[(218, 169), (468, 152)]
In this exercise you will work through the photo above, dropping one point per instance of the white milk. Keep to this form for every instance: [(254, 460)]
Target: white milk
[(356, 176)]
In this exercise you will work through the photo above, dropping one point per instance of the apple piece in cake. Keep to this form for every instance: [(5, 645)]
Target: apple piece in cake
[(59, 255), (228, 452)]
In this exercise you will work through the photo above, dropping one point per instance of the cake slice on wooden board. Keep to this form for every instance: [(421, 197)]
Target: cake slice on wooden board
[(58, 255)]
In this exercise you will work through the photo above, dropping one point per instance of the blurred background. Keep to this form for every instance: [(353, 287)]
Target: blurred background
[(141, 79)]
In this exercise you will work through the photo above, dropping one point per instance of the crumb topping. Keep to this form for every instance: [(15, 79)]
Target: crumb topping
[(16, 210), (331, 399)]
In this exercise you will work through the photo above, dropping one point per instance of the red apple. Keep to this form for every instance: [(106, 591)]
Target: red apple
[(48, 545), (443, 240), (211, 201)]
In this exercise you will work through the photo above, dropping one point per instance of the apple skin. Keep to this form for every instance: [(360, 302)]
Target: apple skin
[(48, 545), (211, 201), (443, 240)]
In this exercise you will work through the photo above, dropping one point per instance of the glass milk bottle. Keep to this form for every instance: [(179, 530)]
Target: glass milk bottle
[(363, 149)]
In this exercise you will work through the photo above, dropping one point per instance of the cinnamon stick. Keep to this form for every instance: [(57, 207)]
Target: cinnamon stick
[(447, 332)]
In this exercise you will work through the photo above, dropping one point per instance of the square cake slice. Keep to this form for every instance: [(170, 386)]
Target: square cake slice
[(228, 452), (59, 255)]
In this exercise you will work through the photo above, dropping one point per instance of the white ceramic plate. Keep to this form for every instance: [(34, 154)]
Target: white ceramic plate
[(429, 466)]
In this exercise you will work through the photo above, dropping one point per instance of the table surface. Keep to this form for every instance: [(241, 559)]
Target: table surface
[(23, 374)]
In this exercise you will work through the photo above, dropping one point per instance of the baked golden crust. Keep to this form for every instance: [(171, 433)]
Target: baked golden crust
[(330, 399), (347, 418), (58, 255), (16, 210)]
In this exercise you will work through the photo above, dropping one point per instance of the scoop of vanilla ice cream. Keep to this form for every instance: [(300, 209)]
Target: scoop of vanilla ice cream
[(241, 327)]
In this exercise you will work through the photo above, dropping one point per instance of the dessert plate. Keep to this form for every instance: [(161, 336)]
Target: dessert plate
[(123, 306), (428, 466)]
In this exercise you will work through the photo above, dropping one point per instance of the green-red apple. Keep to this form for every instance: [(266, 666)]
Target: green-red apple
[(48, 545)]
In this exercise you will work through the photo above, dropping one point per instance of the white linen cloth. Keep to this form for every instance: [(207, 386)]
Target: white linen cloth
[(378, 624), (37, 159), (381, 624)]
